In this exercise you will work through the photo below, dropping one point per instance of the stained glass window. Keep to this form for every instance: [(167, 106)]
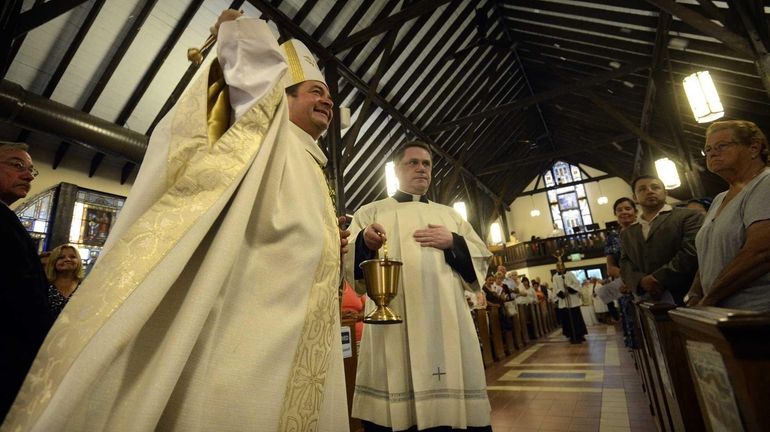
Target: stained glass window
[(35, 216), (93, 216), (569, 205)]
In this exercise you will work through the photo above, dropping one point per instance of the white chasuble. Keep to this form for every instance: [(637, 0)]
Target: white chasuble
[(215, 306), (428, 370)]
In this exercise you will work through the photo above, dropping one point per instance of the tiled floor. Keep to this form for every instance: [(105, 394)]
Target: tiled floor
[(555, 386)]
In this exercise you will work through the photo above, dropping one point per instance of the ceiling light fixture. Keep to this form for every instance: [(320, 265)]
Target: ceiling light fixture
[(703, 97), (534, 212), (602, 200), (667, 173)]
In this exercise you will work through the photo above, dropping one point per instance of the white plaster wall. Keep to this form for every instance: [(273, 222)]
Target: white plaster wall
[(526, 226), (74, 169)]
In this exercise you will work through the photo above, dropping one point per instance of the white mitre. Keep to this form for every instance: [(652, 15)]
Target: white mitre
[(302, 63)]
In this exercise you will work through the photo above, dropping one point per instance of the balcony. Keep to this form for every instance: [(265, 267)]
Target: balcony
[(541, 251)]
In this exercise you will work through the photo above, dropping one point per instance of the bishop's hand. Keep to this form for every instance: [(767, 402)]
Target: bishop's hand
[(374, 236), (342, 223), (226, 15)]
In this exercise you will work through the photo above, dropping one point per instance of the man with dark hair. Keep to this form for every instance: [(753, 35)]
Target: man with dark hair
[(194, 317), (658, 259), (24, 312), (426, 372)]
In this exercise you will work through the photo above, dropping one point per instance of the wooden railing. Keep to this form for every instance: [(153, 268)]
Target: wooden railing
[(540, 251)]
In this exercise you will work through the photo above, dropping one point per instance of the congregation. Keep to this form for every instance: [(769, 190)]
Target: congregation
[(155, 336)]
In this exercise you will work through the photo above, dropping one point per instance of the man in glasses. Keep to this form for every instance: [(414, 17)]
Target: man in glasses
[(23, 303)]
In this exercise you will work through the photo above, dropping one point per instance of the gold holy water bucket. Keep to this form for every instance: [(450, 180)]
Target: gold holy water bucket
[(382, 276)]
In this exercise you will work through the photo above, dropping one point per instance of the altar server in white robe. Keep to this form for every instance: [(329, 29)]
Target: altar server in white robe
[(194, 318), (426, 372), (566, 291)]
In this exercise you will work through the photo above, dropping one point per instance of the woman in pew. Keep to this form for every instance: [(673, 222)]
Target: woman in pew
[(64, 271), (626, 213), (734, 242)]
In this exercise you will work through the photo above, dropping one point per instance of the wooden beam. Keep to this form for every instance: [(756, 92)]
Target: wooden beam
[(9, 18), (738, 43), (96, 161), (327, 56), (574, 183), (763, 59), (505, 166), (43, 13), (157, 62), (391, 22), (126, 171), (333, 140), (538, 98), (363, 114), (712, 10), (626, 123)]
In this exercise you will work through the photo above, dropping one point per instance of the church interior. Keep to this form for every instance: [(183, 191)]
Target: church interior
[(539, 115)]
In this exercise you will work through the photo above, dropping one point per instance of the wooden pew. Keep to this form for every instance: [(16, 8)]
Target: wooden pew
[(518, 339), (482, 325), (729, 359), (536, 324), (552, 315), (523, 324), (652, 374), (350, 364), (668, 349), (496, 331), (543, 307)]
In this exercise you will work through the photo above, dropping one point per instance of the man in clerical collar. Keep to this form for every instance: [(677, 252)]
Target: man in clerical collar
[(426, 372), (658, 259)]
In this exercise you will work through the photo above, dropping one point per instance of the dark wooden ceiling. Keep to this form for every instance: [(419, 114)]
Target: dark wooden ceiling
[(500, 89)]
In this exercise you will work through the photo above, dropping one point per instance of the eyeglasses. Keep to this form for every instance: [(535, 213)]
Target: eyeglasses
[(19, 166), (718, 147)]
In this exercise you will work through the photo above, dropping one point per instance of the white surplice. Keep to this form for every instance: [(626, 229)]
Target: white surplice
[(214, 306), (428, 370)]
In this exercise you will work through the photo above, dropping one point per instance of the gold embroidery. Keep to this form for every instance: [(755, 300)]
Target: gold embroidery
[(304, 394), (297, 75), (198, 176)]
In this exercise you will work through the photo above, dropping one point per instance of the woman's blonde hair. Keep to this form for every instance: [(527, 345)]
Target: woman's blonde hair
[(50, 268)]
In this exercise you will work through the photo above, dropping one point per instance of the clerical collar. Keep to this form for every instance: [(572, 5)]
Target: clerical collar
[(402, 197)]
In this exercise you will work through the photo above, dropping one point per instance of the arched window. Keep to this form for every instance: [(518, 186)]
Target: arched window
[(569, 204)]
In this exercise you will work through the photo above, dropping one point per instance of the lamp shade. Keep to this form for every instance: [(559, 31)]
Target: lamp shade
[(703, 97), (667, 173)]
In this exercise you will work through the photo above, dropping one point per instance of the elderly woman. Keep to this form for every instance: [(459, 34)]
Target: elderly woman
[(734, 242), (64, 271)]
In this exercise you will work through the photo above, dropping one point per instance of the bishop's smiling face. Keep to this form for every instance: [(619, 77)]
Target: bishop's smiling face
[(414, 170), (311, 107)]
